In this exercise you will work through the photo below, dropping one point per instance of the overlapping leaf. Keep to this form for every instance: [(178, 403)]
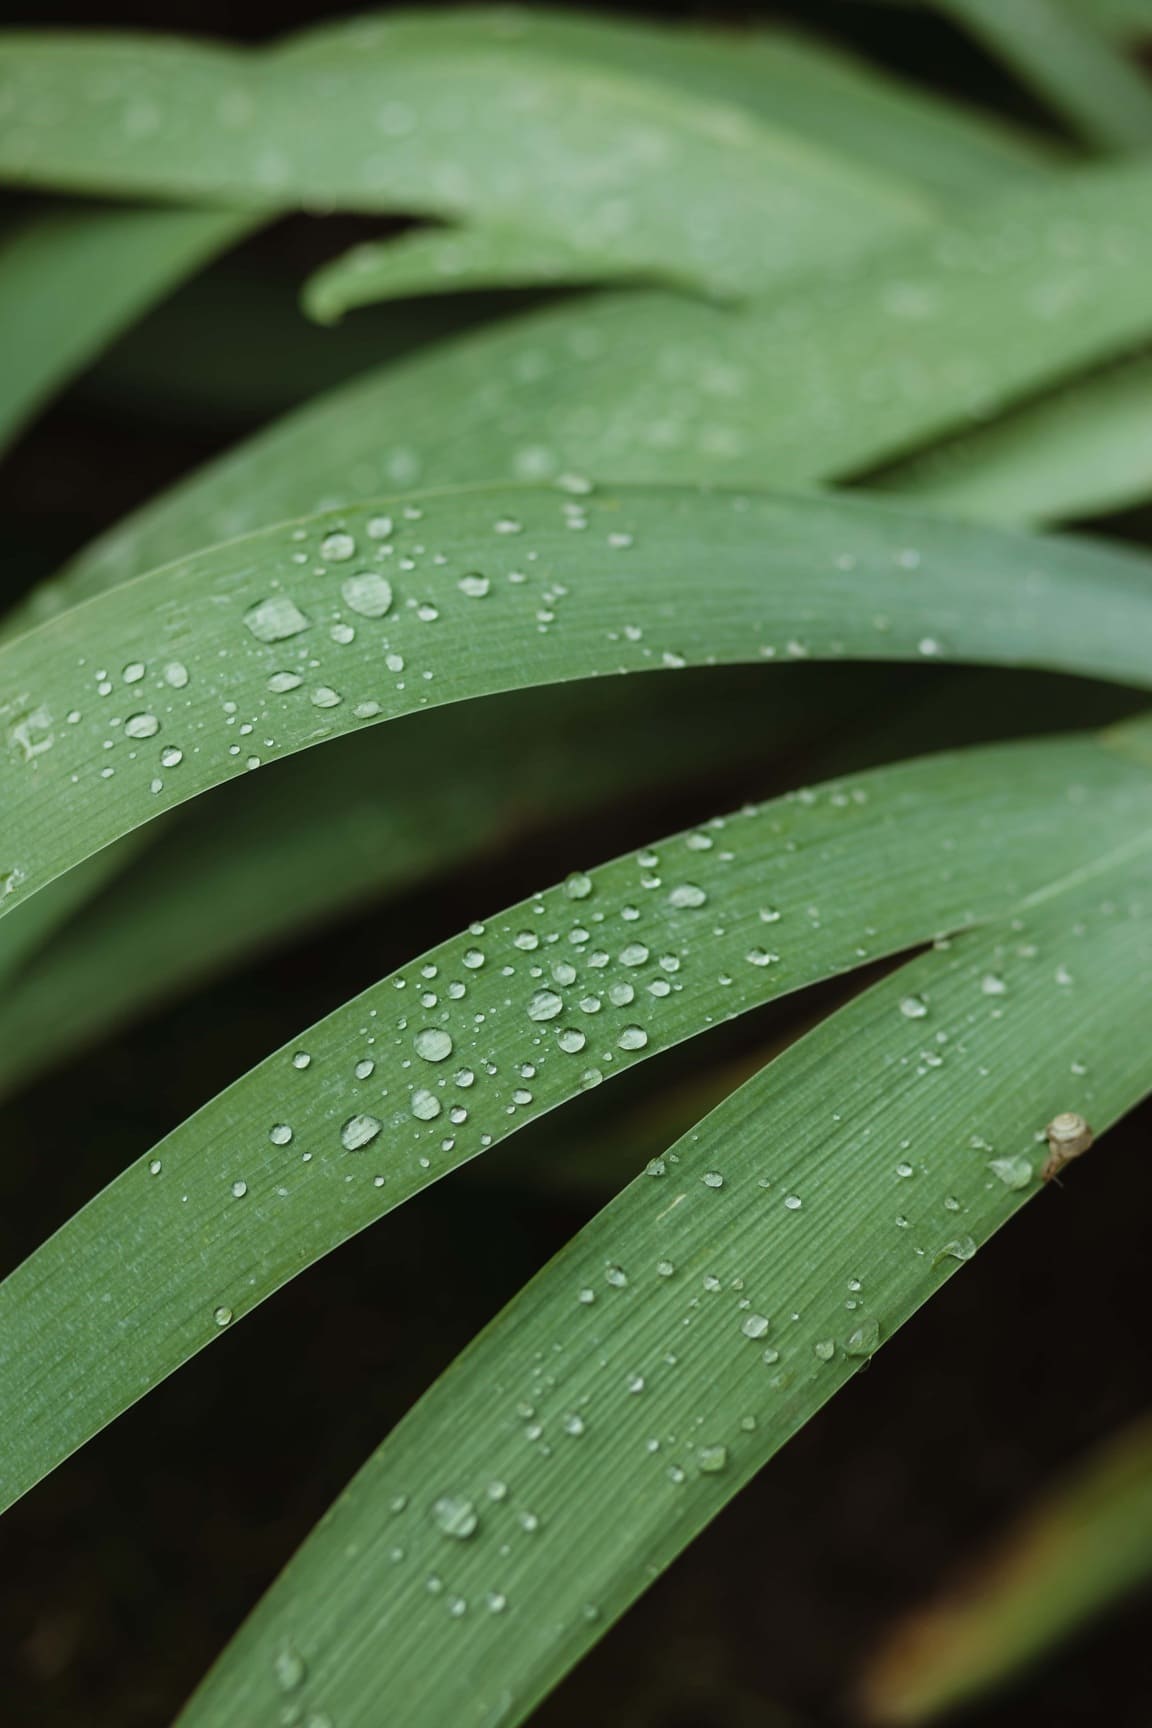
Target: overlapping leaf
[(494, 1028)]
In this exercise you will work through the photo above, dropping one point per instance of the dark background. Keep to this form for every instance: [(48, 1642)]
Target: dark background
[(123, 1574)]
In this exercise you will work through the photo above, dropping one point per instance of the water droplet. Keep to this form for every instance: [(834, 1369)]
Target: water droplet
[(961, 1248), (545, 1005), (712, 1179), (222, 1316), (367, 593), (275, 619), (337, 548), (754, 1325), (280, 1134), (171, 757), (425, 1105), (474, 585), (824, 1349), (578, 886), (571, 1039), (455, 1516), (616, 1276), (1015, 1171), (433, 1044), (992, 984), (632, 1038), (290, 1668), (141, 726), (913, 1007), (358, 1131), (710, 1460), (687, 895), (301, 1059), (239, 1189), (864, 1339)]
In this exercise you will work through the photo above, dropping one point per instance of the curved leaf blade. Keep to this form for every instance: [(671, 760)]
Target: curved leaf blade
[(69, 283), (619, 164), (805, 86), (1081, 451), (450, 261), (1085, 1544), (1070, 65), (160, 689)]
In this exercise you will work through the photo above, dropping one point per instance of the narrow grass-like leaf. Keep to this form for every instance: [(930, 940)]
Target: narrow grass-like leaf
[(494, 1028), (807, 87), (1069, 64), (614, 163), (209, 894), (70, 282), (119, 710), (639, 1381), (1078, 452), (817, 385), (446, 261), (1087, 1543)]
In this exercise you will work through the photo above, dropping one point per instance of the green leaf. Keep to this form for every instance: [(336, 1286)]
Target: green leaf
[(445, 131), (447, 261), (497, 1026), (124, 708), (816, 385), (69, 283), (1070, 65), (1078, 452), (640, 1380), (1083, 1546), (804, 86)]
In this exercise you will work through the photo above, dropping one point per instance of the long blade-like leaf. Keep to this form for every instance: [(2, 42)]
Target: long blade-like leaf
[(448, 261), (494, 1028), (1070, 64), (615, 163), (817, 385), (1078, 452), (70, 283), (160, 689), (1087, 1543), (807, 87), (639, 1381)]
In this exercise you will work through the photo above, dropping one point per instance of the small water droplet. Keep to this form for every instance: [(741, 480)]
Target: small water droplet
[(358, 1131)]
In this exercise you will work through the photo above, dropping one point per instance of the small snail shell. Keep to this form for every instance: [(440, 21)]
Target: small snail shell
[(1069, 1135)]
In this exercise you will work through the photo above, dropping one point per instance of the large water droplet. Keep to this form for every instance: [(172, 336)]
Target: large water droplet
[(358, 1131), (275, 619), (455, 1516), (367, 593)]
